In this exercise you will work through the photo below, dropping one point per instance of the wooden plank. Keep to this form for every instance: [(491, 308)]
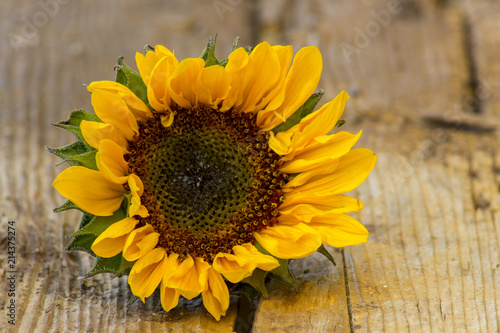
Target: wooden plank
[(482, 43), (485, 45), (415, 273), (319, 305), (430, 262), (42, 72), (431, 205), (387, 57)]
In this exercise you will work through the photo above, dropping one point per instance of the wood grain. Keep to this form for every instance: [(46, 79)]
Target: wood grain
[(424, 90)]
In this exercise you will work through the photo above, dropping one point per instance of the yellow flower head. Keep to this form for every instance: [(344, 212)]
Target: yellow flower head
[(198, 172)]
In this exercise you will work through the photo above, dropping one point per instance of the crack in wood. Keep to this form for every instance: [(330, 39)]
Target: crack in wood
[(348, 294)]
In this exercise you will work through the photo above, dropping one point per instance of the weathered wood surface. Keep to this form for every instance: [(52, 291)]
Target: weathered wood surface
[(425, 87)]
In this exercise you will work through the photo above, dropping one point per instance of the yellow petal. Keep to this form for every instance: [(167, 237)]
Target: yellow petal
[(250, 253), (136, 188), (285, 55), (305, 177), (146, 63), (147, 273), (352, 170), (93, 132), (112, 240), (183, 276), (90, 190), (139, 242), (289, 242), (339, 230), (227, 265), (213, 85), (167, 119), (318, 123), (235, 267), (181, 85), (215, 293), (265, 76), (301, 81), (157, 91), (111, 163), (318, 156), (339, 203), (237, 67), (281, 143), (113, 110), (136, 106), (169, 297), (304, 206)]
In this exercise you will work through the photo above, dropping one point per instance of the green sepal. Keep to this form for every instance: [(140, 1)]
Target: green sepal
[(282, 271), (68, 151), (76, 154), (86, 219), (301, 112), (340, 122), (125, 267), (251, 294), (132, 80), (73, 124), (132, 300), (104, 265), (235, 43), (66, 206), (148, 48), (223, 63), (87, 160), (100, 223), (208, 54), (327, 254), (81, 243), (258, 281)]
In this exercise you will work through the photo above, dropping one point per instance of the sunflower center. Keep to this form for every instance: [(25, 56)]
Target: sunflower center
[(210, 180)]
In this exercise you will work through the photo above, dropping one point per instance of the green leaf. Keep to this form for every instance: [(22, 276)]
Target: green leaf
[(283, 271), (132, 80), (104, 265), (66, 206), (81, 243), (327, 254), (87, 160), (208, 54), (74, 121), (100, 223), (258, 281), (301, 112)]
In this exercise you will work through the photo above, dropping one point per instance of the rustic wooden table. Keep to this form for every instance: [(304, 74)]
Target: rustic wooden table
[(424, 77)]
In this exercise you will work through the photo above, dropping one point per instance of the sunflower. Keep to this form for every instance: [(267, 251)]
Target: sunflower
[(197, 173)]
